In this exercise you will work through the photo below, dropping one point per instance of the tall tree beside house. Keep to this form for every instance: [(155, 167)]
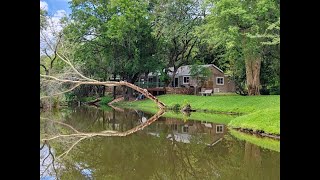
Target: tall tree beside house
[(174, 24), (234, 23)]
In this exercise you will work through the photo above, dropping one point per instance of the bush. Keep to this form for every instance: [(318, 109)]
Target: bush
[(275, 90), (176, 107), (105, 100)]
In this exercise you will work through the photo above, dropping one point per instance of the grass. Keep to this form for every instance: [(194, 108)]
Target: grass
[(260, 112), (262, 142), (231, 103), (267, 120), (105, 100)]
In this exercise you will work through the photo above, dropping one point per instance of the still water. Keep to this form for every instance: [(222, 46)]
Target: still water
[(168, 148)]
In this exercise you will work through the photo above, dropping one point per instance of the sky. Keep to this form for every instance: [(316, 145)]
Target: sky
[(55, 6), (56, 10)]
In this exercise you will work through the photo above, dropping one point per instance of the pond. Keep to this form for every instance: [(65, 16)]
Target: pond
[(168, 148)]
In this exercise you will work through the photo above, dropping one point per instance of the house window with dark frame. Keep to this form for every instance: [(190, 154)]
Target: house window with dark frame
[(186, 79), (220, 81), (219, 128), (185, 129)]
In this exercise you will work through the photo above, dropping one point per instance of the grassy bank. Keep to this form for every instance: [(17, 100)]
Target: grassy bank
[(267, 120), (260, 112), (234, 103)]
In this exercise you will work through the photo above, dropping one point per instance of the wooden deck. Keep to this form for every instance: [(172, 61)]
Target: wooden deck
[(157, 91)]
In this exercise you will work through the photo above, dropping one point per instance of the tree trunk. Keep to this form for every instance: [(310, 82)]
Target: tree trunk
[(114, 87), (253, 66), (173, 77), (103, 91), (114, 92), (129, 90)]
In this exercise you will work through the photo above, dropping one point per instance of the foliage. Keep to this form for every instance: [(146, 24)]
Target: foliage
[(175, 22), (116, 35), (200, 73), (43, 19), (176, 107), (267, 120), (231, 24), (105, 100)]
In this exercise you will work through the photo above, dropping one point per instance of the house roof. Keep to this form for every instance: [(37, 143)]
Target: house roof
[(185, 70)]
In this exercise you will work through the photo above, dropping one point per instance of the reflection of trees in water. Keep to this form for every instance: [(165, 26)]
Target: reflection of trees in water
[(145, 157), (63, 137), (90, 119), (47, 162), (141, 156)]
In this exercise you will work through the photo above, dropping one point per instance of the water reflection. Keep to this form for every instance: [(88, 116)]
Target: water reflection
[(167, 148)]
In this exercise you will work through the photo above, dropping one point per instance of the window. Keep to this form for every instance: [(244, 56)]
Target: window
[(186, 79), (185, 129), (219, 128), (220, 81), (174, 127)]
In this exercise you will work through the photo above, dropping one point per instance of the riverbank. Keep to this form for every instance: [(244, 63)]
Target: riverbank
[(258, 113)]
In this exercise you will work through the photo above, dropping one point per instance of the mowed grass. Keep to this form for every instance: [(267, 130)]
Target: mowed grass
[(259, 112), (231, 103), (267, 120)]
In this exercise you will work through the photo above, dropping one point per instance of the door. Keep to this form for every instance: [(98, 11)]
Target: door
[(176, 82)]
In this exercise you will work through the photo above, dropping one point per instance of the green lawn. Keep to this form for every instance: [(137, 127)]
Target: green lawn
[(232, 103), (260, 112), (267, 120)]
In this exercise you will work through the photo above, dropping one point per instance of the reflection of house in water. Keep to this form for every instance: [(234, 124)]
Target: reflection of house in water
[(185, 132), (120, 121)]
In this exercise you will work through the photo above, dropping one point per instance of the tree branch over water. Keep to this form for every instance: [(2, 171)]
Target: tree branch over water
[(59, 83)]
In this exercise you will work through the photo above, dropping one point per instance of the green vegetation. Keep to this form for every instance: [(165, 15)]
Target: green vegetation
[(239, 104), (260, 112), (267, 120), (130, 39), (262, 142), (105, 100)]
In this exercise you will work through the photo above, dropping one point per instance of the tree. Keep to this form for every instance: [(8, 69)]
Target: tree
[(200, 74), (116, 35), (174, 24), (232, 23), (43, 20)]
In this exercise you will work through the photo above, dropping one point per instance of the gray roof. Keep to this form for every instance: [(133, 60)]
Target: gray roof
[(185, 70)]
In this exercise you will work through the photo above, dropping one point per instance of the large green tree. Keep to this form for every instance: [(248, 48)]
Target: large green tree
[(114, 36), (236, 24), (174, 26)]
